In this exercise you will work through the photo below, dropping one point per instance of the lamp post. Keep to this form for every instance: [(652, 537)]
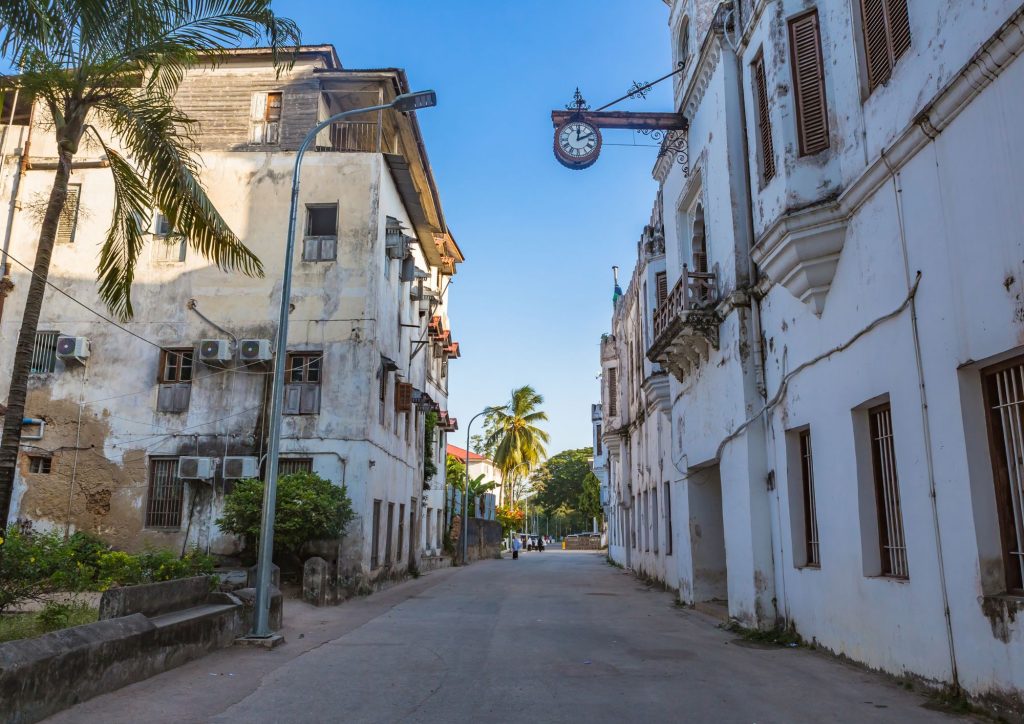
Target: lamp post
[(261, 627), (465, 488), (512, 474)]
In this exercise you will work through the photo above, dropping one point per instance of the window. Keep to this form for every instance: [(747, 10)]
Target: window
[(321, 240), (287, 466), (597, 441), (885, 25), (175, 380), (808, 83), (613, 392), (654, 518), (17, 107), (166, 491), (647, 521), (44, 353), (167, 245), (302, 383), (439, 527), (668, 519), (391, 523), (401, 532), (382, 394), (812, 554), (375, 540), (39, 464), (1004, 409), (69, 216), (660, 289), (265, 118), (684, 42), (891, 541), (766, 157)]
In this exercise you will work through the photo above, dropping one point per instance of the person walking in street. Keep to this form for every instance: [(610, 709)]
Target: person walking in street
[(540, 544), (516, 545)]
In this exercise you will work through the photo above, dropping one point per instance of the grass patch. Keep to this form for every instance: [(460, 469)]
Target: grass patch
[(53, 617), (786, 637)]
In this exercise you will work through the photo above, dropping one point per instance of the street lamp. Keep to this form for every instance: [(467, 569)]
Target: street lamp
[(261, 627), (465, 489)]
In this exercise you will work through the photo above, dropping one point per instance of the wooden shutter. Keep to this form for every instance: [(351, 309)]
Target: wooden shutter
[(661, 288), (403, 396), (257, 118), (69, 216), (309, 398), (613, 392), (808, 83), (886, 28), (764, 121), (292, 399)]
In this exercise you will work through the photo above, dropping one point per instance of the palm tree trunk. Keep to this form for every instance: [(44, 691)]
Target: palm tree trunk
[(26, 337)]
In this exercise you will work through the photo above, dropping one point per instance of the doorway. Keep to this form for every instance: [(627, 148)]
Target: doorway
[(707, 536)]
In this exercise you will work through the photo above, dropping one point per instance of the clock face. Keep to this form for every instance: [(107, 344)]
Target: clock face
[(577, 144)]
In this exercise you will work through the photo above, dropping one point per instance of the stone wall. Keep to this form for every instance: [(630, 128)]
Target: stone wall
[(484, 539)]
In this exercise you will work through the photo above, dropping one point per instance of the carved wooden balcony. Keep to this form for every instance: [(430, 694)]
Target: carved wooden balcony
[(686, 324)]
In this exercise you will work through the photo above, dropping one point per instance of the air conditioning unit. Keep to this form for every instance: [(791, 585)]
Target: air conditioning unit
[(396, 246), (408, 273), (240, 466), (196, 468), (215, 351), (73, 349), (254, 350)]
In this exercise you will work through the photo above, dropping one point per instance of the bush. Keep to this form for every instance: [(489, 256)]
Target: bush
[(308, 508), (35, 564)]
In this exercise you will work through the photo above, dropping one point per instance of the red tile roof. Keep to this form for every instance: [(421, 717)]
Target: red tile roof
[(460, 453)]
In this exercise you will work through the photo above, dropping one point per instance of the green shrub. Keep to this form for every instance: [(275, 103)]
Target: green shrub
[(117, 568), (35, 564), (308, 508)]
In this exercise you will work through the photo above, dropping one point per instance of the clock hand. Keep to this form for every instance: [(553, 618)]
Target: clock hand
[(584, 138)]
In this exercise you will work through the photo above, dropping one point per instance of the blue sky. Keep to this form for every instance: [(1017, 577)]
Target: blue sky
[(534, 296)]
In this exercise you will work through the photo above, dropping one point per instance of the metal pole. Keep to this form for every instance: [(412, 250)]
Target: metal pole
[(261, 627)]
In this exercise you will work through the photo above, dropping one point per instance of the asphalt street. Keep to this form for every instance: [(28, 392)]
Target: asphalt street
[(553, 637)]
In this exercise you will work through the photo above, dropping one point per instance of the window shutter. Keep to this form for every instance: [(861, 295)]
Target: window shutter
[(165, 398), (257, 117), (764, 121), (328, 249), (182, 393), (613, 392), (311, 249), (661, 291), (309, 399), (886, 28), (68, 216), (292, 399), (809, 83)]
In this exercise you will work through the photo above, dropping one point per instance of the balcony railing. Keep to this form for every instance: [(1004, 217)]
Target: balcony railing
[(693, 291), (356, 136)]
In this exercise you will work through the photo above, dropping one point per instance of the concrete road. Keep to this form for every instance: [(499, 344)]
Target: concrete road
[(553, 637)]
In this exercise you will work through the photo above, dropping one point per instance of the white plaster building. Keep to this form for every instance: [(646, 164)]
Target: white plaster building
[(369, 335), (843, 330)]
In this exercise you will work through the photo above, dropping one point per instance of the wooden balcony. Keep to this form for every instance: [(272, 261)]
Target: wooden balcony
[(686, 324), (358, 137)]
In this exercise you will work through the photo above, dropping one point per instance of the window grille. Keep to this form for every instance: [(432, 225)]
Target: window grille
[(375, 541), (302, 391), (764, 120), (401, 532), (287, 466), (68, 220), (808, 83), (1004, 405), (166, 491), (39, 464), (667, 502), (44, 353), (892, 543), (885, 25), (390, 528), (813, 555)]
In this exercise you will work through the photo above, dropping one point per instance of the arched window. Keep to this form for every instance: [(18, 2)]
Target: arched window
[(684, 41)]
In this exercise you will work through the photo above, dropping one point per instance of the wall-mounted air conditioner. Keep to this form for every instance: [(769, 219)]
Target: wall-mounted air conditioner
[(215, 351), (397, 245), (72, 349), (254, 350), (190, 468), (237, 467)]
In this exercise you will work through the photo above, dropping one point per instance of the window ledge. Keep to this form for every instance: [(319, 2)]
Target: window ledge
[(1008, 601), (801, 251), (891, 579)]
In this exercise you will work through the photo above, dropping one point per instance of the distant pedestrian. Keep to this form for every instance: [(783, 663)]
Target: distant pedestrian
[(540, 544), (516, 545)]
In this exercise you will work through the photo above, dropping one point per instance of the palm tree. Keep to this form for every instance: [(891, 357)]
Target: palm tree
[(515, 438), (116, 65)]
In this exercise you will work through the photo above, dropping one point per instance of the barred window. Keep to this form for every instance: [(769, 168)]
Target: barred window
[(891, 539), (44, 353), (287, 466), (166, 492), (1004, 408)]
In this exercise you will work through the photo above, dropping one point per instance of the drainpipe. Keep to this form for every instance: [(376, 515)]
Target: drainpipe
[(6, 285), (925, 424)]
